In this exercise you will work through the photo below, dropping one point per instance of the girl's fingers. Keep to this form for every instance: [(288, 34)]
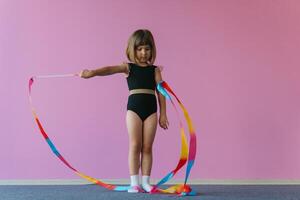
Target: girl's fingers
[(164, 126), (81, 73)]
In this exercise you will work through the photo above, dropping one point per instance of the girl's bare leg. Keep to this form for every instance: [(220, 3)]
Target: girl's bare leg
[(149, 130), (135, 129)]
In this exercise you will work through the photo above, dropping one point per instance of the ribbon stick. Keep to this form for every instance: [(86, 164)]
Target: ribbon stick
[(187, 155)]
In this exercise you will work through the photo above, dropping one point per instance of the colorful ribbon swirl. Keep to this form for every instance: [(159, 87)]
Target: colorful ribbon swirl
[(188, 154)]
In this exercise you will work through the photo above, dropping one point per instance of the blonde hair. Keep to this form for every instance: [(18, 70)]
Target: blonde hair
[(138, 38)]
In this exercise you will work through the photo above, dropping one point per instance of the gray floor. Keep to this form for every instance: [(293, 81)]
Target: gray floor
[(205, 192)]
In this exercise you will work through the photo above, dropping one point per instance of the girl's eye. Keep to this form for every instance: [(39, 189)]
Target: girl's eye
[(146, 49)]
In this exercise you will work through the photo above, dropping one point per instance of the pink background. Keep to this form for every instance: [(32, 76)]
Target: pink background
[(235, 65)]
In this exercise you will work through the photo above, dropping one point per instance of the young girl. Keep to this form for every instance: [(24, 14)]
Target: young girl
[(141, 116)]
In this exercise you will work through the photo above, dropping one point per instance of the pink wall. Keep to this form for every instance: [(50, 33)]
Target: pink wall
[(235, 65)]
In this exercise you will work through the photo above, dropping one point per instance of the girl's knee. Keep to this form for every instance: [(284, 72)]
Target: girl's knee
[(147, 149), (135, 147)]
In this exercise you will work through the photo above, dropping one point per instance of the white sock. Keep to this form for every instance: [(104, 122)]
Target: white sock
[(146, 183), (134, 180)]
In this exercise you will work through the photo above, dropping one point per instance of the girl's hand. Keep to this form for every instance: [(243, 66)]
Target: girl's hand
[(163, 121), (86, 73)]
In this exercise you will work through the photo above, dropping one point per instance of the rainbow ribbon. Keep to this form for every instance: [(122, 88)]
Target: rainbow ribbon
[(187, 154)]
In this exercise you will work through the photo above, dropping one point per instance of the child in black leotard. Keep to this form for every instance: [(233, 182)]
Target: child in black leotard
[(141, 116)]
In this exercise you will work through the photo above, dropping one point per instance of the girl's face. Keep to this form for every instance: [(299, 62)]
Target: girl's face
[(143, 54)]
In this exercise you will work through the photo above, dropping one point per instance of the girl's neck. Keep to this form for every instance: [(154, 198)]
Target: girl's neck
[(142, 64)]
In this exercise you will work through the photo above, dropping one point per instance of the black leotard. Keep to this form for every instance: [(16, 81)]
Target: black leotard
[(141, 78)]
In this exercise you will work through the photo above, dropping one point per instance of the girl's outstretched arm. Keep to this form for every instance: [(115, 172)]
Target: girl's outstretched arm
[(163, 120), (105, 71)]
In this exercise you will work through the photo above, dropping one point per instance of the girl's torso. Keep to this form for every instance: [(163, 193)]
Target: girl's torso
[(141, 77)]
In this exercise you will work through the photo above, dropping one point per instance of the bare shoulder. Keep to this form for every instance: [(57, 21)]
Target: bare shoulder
[(158, 76)]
